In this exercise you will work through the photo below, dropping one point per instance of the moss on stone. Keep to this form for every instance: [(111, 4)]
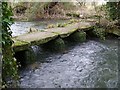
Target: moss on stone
[(78, 36), (25, 57), (114, 31), (44, 40), (30, 56), (22, 42), (55, 45), (66, 33), (37, 38), (61, 24), (0, 50), (20, 45), (73, 21)]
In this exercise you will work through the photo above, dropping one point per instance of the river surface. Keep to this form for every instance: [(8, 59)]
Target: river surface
[(92, 64)]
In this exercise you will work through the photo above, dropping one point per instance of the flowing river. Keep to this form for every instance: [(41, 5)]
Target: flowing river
[(91, 64)]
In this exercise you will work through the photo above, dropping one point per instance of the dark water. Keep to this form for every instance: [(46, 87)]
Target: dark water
[(91, 64), (19, 28)]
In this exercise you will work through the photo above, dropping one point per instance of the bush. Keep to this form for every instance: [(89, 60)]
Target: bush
[(99, 32), (113, 9)]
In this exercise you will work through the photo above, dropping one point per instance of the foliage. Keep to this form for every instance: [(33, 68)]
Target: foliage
[(113, 9), (68, 5), (43, 10), (99, 32), (9, 66)]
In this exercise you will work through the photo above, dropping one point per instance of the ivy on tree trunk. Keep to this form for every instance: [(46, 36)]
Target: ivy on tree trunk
[(9, 66)]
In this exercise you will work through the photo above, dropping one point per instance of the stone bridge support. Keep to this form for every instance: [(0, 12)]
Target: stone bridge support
[(78, 36), (25, 57), (55, 45)]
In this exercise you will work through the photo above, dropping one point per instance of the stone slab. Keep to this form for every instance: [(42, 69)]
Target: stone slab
[(69, 29), (114, 31), (37, 38), (20, 45)]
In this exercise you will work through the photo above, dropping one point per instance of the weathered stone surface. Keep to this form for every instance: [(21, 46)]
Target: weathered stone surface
[(114, 31), (65, 31), (69, 29), (20, 45), (29, 56), (78, 36), (85, 26), (26, 57), (37, 38), (55, 45)]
